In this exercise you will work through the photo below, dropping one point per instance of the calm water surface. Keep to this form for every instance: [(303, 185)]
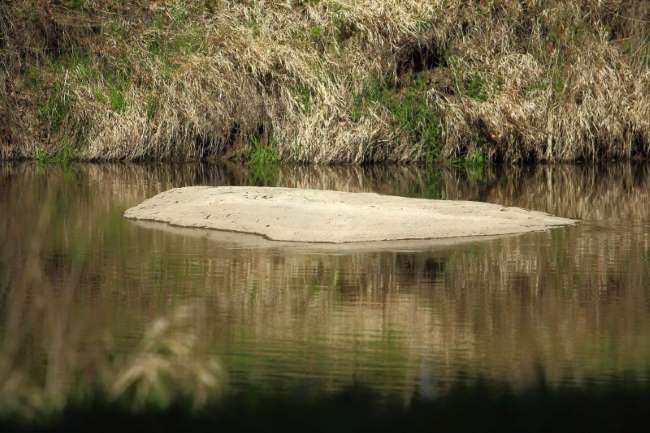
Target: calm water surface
[(572, 302)]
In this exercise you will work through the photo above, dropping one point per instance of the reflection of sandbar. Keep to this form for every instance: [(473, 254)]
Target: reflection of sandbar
[(247, 240)]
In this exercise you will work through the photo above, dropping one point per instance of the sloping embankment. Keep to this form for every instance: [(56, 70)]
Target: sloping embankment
[(325, 81)]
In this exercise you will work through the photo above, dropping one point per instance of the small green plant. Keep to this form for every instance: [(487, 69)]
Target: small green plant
[(118, 103), (472, 163), (316, 31), (262, 153), (474, 157), (54, 110), (100, 96), (42, 156), (558, 84), (263, 162), (316, 34), (474, 88), (75, 4), (424, 23), (62, 156), (410, 107), (468, 81)]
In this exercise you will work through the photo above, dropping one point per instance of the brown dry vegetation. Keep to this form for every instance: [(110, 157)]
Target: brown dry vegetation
[(325, 80)]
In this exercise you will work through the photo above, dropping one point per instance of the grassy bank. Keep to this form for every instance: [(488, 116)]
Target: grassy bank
[(325, 81)]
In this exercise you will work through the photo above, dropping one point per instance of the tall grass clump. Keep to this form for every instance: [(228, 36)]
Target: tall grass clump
[(514, 80), (408, 105)]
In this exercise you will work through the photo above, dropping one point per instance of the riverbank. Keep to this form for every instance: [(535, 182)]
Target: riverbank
[(325, 81)]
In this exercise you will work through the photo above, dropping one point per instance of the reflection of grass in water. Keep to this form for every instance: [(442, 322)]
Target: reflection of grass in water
[(430, 185), (263, 174)]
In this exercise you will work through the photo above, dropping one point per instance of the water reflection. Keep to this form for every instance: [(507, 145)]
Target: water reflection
[(572, 301)]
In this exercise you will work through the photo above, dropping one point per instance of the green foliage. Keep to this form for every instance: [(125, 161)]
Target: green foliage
[(188, 42), (468, 81), (175, 32), (643, 52), (108, 80), (554, 80), (473, 162), (474, 157), (262, 153), (410, 108), (54, 110), (263, 162), (62, 156), (558, 84), (474, 88), (75, 4), (118, 103), (424, 23), (316, 31)]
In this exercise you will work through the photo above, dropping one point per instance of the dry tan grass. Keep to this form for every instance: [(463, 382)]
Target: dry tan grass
[(188, 80), (563, 90)]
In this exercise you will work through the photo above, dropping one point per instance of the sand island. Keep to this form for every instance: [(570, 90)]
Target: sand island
[(304, 215)]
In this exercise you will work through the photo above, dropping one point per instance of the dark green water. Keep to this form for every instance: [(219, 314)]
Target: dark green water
[(572, 302)]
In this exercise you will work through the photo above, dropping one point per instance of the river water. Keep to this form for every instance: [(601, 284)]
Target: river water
[(571, 303)]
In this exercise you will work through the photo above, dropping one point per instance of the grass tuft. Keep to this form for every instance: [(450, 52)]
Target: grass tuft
[(55, 108), (63, 156), (118, 103), (410, 110)]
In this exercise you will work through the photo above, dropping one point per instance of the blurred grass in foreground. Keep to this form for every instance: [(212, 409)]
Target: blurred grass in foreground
[(475, 407), (50, 353)]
